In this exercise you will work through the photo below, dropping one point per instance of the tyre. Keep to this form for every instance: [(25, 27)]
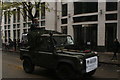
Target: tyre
[(28, 66), (65, 72)]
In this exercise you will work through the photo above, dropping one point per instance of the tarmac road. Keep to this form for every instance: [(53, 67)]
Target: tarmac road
[(12, 68)]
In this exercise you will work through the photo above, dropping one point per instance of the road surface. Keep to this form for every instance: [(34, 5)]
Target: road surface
[(12, 68)]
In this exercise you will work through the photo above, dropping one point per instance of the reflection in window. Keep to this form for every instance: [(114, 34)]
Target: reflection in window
[(64, 29), (44, 44), (69, 40)]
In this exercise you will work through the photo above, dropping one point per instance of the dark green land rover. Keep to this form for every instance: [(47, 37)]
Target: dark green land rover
[(46, 49)]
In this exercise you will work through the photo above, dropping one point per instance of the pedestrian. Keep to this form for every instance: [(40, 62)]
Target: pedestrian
[(10, 43), (15, 44), (115, 49), (6, 44), (18, 43)]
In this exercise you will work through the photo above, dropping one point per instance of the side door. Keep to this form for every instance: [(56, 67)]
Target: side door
[(46, 57)]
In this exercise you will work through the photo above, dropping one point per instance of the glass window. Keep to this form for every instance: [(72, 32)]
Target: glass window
[(64, 21), (24, 25), (44, 44), (43, 10), (9, 17), (5, 34), (111, 16), (18, 25), (42, 23), (5, 27), (64, 29), (24, 13), (18, 34), (62, 40), (29, 24), (5, 17), (8, 33), (85, 18), (18, 14), (85, 7), (14, 34), (64, 10), (14, 15), (111, 6), (24, 30), (8, 26), (14, 26)]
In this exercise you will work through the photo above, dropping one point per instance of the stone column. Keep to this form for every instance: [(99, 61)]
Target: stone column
[(0, 25), (118, 26), (70, 20), (101, 24)]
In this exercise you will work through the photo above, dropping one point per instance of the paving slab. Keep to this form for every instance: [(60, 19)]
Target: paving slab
[(105, 57)]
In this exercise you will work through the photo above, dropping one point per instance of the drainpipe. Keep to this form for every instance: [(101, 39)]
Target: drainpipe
[(55, 15), (0, 24)]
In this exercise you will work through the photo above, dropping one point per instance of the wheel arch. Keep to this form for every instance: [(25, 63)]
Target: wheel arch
[(67, 62), (26, 57)]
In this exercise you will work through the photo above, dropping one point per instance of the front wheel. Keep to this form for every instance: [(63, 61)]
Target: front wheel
[(65, 72), (28, 66)]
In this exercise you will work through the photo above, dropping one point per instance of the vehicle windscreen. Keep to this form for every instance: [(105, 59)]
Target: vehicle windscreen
[(24, 41), (62, 40)]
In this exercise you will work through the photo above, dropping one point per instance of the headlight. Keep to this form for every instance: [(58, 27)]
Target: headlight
[(81, 61), (94, 52)]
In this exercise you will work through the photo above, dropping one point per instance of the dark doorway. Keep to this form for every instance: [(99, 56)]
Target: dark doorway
[(110, 35), (85, 36)]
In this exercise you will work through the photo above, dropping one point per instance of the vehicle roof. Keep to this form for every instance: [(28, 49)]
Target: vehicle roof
[(54, 35)]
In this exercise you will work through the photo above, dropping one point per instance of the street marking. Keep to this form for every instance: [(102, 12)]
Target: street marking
[(16, 66)]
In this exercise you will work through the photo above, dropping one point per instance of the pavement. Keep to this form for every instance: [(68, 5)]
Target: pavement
[(104, 57)]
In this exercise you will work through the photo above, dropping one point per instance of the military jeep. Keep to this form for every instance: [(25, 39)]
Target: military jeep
[(46, 49)]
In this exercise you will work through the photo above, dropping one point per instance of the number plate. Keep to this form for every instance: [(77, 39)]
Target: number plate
[(91, 63)]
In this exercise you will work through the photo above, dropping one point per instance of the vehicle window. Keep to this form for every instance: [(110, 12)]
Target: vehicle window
[(69, 40), (44, 44), (24, 40), (63, 40)]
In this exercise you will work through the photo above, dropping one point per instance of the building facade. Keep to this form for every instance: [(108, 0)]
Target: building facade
[(91, 24)]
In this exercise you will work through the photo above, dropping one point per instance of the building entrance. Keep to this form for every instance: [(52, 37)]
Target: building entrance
[(85, 36), (110, 35)]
